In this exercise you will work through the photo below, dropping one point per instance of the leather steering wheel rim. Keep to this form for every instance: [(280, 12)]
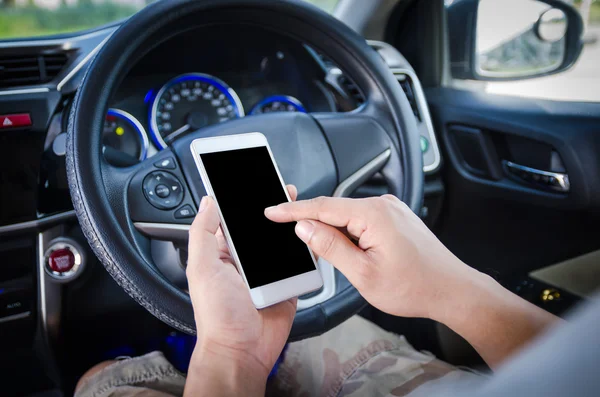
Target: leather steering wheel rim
[(101, 193)]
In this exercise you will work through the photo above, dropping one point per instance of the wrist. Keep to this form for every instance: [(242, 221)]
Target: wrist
[(459, 294), (496, 322), (220, 371)]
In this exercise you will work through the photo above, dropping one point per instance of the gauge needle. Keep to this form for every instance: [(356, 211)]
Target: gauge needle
[(177, 132)]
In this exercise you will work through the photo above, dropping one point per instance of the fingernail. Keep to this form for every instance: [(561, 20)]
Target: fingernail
[(305, 230), (203, 204), (270, 209)]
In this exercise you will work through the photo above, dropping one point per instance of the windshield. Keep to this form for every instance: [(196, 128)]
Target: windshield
[(29, 18)]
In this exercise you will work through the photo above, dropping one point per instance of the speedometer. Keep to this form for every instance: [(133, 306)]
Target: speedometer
[(189, 102)]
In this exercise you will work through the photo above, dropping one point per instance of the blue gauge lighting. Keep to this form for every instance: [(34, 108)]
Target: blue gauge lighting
[(190, 102), (278, 103), (218, 84), (149, 96)]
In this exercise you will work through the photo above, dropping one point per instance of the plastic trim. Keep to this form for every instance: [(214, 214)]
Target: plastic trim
[(36, 224), (49, 42), (42, 285), (25, 91), (15, 317), (424, 109), (350, 184), (81, 64)]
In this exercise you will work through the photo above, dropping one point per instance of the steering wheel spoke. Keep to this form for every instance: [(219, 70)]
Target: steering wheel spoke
[(360, 146)]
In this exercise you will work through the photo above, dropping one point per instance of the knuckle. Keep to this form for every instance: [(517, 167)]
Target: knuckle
[(326, 244), (391, 198), (317, 205), (391, 204), (318, 201), (381, 204)]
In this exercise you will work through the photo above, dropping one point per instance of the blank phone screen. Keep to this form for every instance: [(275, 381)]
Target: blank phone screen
[(245, 182)]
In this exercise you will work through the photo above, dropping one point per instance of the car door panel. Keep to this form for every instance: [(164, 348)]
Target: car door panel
[(495, 221)]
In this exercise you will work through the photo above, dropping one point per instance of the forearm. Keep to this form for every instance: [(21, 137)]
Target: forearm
[(493, 320), (213, 374)]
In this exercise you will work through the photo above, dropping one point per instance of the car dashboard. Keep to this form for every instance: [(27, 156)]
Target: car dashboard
[(205, 76), (182, 87)]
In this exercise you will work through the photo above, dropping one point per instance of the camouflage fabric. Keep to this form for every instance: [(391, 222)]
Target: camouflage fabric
[(151, 375), (356, 358)]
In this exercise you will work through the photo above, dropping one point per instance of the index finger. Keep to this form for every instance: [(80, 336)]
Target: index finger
[(334, 211)]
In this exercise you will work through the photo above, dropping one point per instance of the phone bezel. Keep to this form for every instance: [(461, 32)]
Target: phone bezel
[(277, 291)]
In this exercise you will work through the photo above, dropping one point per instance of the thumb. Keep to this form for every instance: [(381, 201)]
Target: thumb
[(333, 246), (207, 220), (203, 248)]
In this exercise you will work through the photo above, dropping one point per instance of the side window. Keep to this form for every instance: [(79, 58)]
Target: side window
[(521, 48)]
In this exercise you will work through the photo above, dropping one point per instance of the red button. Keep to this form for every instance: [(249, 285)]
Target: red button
[(15, 120), (61, 261)]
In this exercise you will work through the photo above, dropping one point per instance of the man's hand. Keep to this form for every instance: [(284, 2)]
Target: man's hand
[(237, 344), (401, 268), (397, 263)]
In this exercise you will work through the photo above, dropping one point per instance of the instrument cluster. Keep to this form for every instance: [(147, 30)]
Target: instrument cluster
[(185, 103)]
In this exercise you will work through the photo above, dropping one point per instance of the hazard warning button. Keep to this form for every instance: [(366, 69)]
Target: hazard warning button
[(15, 120)]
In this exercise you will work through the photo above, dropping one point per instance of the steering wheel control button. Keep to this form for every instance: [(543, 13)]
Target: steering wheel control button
[(64, 259), (163, 190), (15, 120), (424, 145), (166, 164), (185, 212)]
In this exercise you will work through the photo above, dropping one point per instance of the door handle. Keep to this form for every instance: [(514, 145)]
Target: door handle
[(556, 181)]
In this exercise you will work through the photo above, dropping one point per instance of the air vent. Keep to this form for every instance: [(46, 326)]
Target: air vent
[(409, 90), (30, 69), (352, 90), (347, 84), (54, 63)]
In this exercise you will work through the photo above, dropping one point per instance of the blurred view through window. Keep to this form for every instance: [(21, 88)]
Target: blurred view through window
[(29, 18)]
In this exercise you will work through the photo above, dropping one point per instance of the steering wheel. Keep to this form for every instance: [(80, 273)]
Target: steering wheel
[(322, 154)]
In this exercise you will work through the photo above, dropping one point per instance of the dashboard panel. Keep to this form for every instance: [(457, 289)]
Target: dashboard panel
[(180, 86)]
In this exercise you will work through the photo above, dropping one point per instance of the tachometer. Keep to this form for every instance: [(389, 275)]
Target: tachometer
[(124, 138), (189, 102), (278, 103)]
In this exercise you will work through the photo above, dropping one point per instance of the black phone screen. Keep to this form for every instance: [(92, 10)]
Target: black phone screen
[(245, 182)]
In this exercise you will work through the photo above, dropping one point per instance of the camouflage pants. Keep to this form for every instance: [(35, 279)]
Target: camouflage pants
[(356, 358)]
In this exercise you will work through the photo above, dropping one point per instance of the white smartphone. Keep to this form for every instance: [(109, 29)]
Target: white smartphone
[(240, 173)]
